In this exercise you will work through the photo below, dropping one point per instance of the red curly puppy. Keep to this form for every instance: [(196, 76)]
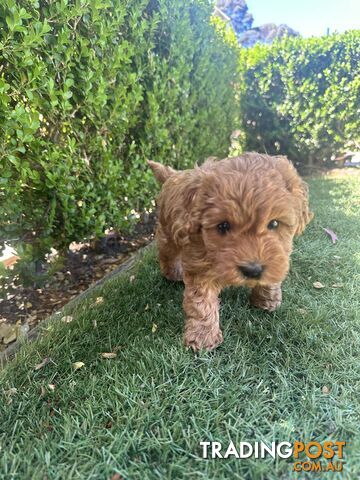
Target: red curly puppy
[(228, 222)]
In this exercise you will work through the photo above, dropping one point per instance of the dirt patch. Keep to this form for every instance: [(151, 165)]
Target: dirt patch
[(341, 172), (25, 307)]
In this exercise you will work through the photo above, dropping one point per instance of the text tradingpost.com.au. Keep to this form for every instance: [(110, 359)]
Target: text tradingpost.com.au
[(315, 456)]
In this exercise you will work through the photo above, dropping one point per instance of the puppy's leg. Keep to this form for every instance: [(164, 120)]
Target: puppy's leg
[(268, 298), (169, 258), (201, 306)]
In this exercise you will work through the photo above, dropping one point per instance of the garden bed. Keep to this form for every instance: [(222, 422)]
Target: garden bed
[(24, 307)]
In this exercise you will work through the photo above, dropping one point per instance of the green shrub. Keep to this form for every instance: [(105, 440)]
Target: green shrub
[(88, 91), (301, 97)]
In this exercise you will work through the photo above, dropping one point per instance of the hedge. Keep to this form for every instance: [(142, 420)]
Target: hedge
[(301, 97), (88, 91)]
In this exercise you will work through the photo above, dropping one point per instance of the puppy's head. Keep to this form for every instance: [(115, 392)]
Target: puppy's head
[(247, 220)]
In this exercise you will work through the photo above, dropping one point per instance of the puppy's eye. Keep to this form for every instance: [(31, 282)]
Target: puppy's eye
[(273, 225), (223, 227)]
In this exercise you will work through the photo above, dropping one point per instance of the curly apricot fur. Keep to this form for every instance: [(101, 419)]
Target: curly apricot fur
[(247, 192)]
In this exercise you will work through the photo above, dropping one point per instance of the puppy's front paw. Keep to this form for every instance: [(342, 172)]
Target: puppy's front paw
[(199, 337), (266, 298), (269, 305), (172, 271)]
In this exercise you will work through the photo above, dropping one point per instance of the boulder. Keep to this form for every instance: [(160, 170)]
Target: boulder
[(237, 12)]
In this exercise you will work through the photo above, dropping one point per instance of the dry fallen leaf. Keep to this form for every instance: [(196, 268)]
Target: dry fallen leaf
[(9, 394), (325, 390), (337, 285), (154, 327), (67, 319), (132, 278), (116, 476), (95, 323), (109, 355), (331, 234), (12, 391), (42, 364), (78, 365), (99, 300), (318, 285), (51, 386), (146, 307)]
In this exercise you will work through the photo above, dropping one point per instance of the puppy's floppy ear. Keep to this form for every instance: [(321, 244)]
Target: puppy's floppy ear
[(161, 172), (299, 190), (185, 209), (304, 214), (208, 186), (185, 226)]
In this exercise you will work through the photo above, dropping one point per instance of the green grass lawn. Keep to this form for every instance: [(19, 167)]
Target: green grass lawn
[(144, 412)]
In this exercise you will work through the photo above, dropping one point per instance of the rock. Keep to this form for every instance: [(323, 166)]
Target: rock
[(242, 22), (266, 33), (7, 333)]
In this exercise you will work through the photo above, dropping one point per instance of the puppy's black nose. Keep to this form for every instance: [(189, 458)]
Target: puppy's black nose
[(251, 270)]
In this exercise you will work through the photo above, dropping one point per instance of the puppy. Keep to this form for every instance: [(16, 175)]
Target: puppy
[(228, 222)]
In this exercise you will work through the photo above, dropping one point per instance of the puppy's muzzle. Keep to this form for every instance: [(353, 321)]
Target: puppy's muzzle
[(252, 270)]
